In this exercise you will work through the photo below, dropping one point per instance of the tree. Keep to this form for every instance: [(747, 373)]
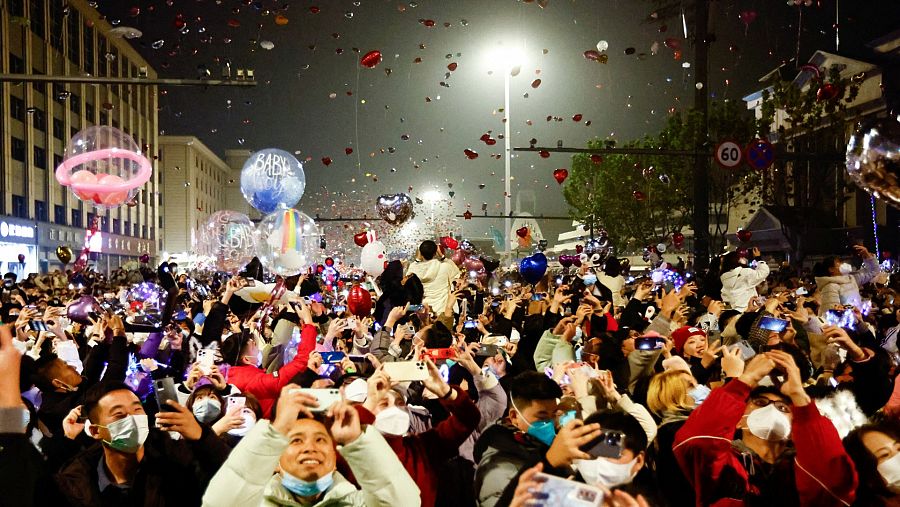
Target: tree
[(604, 195)]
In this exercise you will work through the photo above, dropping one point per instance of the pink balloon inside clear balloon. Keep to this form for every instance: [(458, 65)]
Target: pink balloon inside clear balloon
[(80, 178), (112, 199)]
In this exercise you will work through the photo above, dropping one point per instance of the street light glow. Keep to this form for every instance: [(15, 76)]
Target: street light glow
[(504, 57), (431, 196)]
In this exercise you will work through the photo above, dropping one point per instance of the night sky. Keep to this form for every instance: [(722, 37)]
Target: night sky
[(317, 54)]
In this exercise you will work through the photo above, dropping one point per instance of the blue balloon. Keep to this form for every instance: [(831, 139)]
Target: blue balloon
[(272, 179), (533, 268)]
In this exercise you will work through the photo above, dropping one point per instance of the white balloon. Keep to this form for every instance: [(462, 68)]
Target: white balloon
[(602, 45)]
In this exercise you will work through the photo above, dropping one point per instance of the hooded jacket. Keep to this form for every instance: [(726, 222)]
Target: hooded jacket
[(739, 284), (436, 277), (724, 474), (844, 289), (247, 478)]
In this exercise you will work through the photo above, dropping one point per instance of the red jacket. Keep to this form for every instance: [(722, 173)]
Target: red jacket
[(265, 386), (423, 453), (821, 474)]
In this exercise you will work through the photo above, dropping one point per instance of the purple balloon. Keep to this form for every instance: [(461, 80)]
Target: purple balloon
[(473, 264), (79, 310)]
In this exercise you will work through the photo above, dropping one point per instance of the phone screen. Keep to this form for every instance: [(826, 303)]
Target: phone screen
[(470, 324), (414, 308), (773, 324), (648, 343)]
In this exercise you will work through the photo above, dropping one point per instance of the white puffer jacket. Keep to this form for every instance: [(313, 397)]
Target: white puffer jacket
[(739, 284)]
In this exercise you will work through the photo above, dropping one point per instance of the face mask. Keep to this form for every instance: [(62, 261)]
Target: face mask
[(303, 488), (65, 387), (565, 418), (603, 472), (590, 279), (128, 434), (392, 421), (845, 268), (699, 393), (544, 431), (769, 424), (890, 472), (207, 410), (249, 423)]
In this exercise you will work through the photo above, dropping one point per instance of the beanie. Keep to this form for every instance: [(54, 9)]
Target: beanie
[(681, 335)]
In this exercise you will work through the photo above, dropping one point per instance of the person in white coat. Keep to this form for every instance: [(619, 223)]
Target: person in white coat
[(436, 273), (739, 281), (303, 450), (838, 285)]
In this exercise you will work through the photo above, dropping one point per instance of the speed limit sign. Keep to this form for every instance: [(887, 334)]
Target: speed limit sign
[(729, 154)]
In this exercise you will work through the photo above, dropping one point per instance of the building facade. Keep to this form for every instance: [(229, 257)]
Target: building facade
[(195, 183), (37, 119)]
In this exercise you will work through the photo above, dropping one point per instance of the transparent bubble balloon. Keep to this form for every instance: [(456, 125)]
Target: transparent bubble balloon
[(288, 242), (146, 299), (873, 159), (103, 166), (228, 239), (272, 179)]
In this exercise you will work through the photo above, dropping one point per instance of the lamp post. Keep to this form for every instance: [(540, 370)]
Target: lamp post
[(432, 196), (506, 58)]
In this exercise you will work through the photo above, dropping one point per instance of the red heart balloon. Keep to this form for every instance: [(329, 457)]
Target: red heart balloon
[(827, 91), (348, 151), (579, 249), (360, 239), (678, 239), (326, 160), (471, 154), (596, 159), (522, 232), (371, 59), (744, 235), (449, 242), (638, 195), (565, 260), (560, 175), (359, 301)]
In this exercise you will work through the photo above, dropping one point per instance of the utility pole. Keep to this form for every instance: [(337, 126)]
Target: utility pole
[(701, 163)]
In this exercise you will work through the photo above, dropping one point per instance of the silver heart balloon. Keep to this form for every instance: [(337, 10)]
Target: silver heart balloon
[(394, 208)]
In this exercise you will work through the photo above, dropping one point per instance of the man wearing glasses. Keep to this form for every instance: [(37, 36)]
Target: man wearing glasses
[(764, 445)]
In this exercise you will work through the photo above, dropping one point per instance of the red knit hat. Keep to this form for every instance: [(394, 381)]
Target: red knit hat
[(681, 335)]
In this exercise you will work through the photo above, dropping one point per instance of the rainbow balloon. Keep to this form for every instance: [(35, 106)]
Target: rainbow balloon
[(289, 228)]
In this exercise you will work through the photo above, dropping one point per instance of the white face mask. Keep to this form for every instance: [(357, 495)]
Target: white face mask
[(249, 423), (128, 434), (890, 472), (605, 473), (207, 410), (845, 268), (769, 424), (392, 421)]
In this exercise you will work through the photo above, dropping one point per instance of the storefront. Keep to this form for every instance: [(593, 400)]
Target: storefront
[(18, 238), (108, 251)]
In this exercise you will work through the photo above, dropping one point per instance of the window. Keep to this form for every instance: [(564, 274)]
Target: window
[(75, 103), (74, 37), (56, 21), (40, 157), (101, 56), (16, 7), (104, 118), (36, 16), (152, 233), (104, 224), (134, 230), (39, 120), (89, 112), (57, 160), (117, 226), (40, 211), (17, 108), (59, 129), (76, 219), (59, 215), (16, 64), (88, 41), (18, 149), (160, 221), (127, 229), (143, 231), (19, 210)]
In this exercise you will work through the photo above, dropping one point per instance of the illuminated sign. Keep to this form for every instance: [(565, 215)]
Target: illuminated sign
[(16, 231)]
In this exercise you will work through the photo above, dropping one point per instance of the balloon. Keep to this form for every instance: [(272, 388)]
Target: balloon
[(361, 238), (371, 59), (458, 257), (473, 264), (828, 91), (78, 310), (144, 258), (103, 166), (64, 254), (394, 208), (373, 256), (592, 54), (596, 159), (522, 232), (359, 301), (602, 46), (21, 258), (560, 175), (744, 235), (449, 242), (149, 297), (638, 195), (677, 240), (533, 268), (470, 153), (288, 242), (873, 159), (661, 248), (747, 17), (228, 238), (272, 179), (566, 260)]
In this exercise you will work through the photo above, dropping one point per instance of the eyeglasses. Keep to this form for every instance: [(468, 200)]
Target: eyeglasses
[(781, 406)]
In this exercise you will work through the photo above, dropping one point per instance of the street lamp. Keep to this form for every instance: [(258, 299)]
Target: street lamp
[(506, 58), (432, 196)]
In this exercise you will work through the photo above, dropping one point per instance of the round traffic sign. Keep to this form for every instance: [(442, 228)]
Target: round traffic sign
[(760, 154), (729, 154)]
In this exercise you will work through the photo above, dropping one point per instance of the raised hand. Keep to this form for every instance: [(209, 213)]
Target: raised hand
[(346, 427), (566, 447)]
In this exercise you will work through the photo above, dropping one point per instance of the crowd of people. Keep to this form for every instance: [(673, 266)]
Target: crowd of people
[(750, 385)]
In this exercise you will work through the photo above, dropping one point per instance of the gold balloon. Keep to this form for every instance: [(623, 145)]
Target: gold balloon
[(64, 254)]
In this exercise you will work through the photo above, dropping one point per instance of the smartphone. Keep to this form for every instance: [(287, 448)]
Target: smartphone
[(339, 308), (537, 297), (236, 401), (609, 445), (406, 371), (773, 324), (206, 359), (840, 318), (440, 354), (164, 389), (326, 397), (37, 325), (559, 491), (332, 357), (414, 308), (488, 351), (648, 343), (470, 324)]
